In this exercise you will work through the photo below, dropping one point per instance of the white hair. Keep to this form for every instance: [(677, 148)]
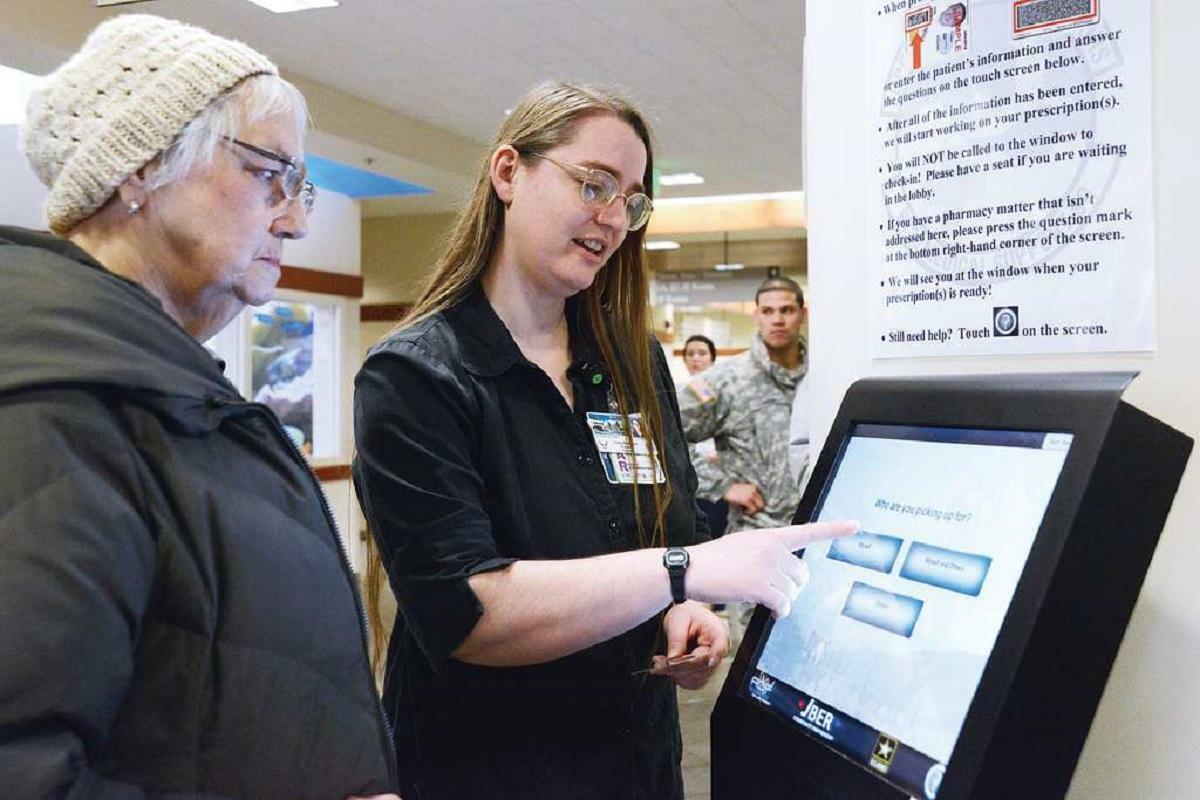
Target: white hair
[(254, 99)]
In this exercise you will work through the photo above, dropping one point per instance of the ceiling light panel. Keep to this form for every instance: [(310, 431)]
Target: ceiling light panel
[(287, 6), (660, 202), (681, 179)]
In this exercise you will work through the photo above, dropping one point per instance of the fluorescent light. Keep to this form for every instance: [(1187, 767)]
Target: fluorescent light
[(286, 6), (680, 179), (662, 244), (728, 267), (659, 202)]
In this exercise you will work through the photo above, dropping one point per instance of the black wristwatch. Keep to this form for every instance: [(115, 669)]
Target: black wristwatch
[(676, 560)]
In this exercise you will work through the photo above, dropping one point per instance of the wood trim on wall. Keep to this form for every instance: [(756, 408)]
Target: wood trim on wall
[(721, 351), (383, 312), (333, 472), (303, 279)]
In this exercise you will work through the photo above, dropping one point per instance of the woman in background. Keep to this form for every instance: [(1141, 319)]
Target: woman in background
[(699, 353)]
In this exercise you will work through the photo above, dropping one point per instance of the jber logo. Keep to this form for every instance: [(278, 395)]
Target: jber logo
[(813, 714), (761, 686)]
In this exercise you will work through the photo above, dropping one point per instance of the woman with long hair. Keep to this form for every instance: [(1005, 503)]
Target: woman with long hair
[(523, 471)]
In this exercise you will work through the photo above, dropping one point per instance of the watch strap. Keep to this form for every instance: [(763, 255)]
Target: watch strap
[(676, 560), (678, 593)]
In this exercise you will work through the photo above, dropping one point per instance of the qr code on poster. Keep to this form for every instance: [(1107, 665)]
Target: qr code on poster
[(1042, 16)]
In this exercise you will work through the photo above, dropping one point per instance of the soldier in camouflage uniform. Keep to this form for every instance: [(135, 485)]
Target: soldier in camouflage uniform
[(745, 404)]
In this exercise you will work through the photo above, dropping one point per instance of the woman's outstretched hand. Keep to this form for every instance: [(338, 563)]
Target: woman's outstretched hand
[(758, 565)]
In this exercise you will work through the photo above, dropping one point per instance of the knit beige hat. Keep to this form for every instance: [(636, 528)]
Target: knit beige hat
[(121, 100)]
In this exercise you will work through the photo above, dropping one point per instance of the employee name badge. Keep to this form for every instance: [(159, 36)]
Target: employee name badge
[(609, 432)]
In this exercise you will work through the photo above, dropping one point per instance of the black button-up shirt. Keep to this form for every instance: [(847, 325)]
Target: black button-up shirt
[(469, 459)]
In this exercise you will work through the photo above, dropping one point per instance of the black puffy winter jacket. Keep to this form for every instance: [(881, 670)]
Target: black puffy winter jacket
[(177, 616)]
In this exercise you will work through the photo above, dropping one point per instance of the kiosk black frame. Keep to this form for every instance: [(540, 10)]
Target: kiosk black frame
[(1038, 693)]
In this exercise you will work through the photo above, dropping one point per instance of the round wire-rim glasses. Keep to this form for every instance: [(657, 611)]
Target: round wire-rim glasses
[(598, 189)]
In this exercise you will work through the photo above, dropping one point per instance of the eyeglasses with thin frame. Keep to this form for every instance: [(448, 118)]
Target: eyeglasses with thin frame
[(598, 189), (290, 183)]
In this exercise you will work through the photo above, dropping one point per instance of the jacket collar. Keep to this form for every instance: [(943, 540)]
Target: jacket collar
[(489, 350), (786, 378), (68, 320)]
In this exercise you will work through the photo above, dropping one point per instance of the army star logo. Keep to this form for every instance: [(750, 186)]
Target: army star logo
[(885, 751)]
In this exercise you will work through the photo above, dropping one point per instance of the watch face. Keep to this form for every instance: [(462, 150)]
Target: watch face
[(676, 558)]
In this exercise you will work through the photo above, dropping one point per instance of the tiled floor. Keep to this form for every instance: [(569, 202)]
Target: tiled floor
[(694, 709)]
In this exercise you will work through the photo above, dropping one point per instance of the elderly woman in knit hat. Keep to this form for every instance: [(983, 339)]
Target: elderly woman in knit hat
[(178, 616)]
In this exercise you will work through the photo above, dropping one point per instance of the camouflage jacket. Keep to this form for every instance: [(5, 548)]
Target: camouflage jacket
[(745, 404)]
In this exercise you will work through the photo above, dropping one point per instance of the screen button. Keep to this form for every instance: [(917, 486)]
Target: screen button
[(870, 550), (894, 613), (947, 569)]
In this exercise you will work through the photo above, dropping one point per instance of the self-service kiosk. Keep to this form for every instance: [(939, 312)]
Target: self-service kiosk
[(957, 645)]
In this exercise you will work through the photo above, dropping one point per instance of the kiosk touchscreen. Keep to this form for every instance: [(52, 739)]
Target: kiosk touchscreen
[(922, 640), (884, 650)]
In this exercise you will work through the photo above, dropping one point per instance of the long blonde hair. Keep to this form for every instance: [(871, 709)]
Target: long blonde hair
[(615, 309)]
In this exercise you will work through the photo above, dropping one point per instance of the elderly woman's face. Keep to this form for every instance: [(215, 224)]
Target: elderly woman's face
[(222, 229)]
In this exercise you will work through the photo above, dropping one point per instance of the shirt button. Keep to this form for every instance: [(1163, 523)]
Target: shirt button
[(613, 525), (585, 459)]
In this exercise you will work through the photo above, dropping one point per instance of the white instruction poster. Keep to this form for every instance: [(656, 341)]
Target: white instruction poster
[(1011, 205)]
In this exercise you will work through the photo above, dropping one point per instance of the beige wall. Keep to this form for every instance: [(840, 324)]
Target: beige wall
[(369, 334), (789, 253), (398, 253)]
